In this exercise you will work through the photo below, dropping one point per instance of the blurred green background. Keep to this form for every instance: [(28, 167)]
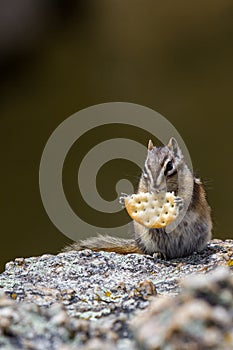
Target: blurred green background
[(57, 58)]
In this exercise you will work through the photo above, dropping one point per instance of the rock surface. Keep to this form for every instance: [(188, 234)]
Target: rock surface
[(110, 301), (201, 317)]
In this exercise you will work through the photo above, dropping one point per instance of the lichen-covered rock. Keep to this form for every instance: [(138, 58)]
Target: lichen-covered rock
[(87, 300), (27, 326), (201, 317)]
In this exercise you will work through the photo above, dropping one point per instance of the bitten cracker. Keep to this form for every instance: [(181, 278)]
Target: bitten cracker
[(152, 210)]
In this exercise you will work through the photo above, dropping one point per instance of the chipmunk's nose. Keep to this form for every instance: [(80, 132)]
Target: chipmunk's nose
[(159, 183)]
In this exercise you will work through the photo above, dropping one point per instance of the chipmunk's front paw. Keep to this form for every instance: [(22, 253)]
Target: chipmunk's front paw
[(179, 202), (122, 199)]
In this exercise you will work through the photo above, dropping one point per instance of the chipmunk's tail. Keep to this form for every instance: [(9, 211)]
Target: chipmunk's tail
[(106, 243)]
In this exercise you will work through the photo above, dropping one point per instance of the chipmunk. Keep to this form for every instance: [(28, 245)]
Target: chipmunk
[(190, 235)]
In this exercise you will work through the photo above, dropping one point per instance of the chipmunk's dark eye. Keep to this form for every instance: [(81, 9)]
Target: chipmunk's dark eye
[(169, 167)]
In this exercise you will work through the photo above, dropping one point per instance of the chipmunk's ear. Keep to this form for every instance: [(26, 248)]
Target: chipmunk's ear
[(150, 145), (174, 147)]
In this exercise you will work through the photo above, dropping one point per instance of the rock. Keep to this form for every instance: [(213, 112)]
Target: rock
[(90, 300), (201, 317)]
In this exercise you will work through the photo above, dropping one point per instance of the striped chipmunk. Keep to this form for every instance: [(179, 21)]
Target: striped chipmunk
[(190, 235)]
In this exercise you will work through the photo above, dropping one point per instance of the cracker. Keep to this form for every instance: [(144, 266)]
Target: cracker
[(152, 210)]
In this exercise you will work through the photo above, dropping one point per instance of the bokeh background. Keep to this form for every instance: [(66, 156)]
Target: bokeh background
[(58, 57)]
